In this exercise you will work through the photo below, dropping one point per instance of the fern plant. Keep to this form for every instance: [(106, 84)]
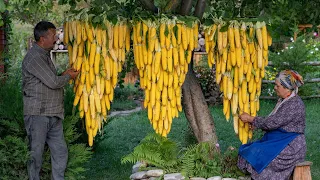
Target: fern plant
[(201, 160), (156, 151)]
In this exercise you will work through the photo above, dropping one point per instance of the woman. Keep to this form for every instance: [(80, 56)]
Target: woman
[(283, 145)]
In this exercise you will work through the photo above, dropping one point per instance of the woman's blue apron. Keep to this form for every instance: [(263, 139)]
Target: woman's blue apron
[(260, 153)]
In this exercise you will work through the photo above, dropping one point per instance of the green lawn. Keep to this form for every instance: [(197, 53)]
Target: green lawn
[(122, 134)]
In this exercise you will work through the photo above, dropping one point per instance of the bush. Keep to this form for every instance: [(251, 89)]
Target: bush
[(296, 53)]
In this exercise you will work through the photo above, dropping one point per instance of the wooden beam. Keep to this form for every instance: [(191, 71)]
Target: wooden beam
[(302, 97), (315, 80), (309, 63)]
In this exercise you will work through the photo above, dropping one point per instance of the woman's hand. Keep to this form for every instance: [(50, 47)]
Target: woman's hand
[(245, 117)]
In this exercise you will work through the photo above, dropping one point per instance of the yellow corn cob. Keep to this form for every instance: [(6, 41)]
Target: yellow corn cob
[(231, 38), (65, 33), (164, 58), (97, 60), (121, 35), (234, 103), (170, 60), (89, 32), (74, 52), (162, 35), (184, 37), (179, 31), (220, 41), (237, 36), (79, 63), (173, 39), (259, 34), (229, 88), (233, 58), (243, 36), (244, 92), (239, 56), (92, 54), (191, 40), (116, 36), (260, 57), (264, 35), (224, 39)]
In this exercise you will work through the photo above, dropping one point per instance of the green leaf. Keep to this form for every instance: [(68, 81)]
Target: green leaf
[(2, 6)]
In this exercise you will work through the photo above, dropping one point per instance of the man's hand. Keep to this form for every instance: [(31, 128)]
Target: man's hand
[(72, 72), (245, 117)]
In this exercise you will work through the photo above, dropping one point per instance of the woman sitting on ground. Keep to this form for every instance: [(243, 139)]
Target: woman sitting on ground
[(283, 145)]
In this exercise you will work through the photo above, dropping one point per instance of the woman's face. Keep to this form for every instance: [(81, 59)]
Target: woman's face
[(280, 90)]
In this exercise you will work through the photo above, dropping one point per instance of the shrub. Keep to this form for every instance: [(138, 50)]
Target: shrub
[(294, 56)]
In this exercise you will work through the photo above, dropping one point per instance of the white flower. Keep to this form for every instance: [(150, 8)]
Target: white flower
[(316, 49), (278, 53), (291, 39), (291, 47), (304, 40), (311, 52), (314, 45)]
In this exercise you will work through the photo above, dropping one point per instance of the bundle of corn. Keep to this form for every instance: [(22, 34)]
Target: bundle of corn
[(240, 52), (162, 52), (98, 53)]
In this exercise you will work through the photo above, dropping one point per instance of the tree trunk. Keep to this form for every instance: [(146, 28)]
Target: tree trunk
[(197, 111)]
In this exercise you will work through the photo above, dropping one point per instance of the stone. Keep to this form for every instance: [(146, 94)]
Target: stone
[(155, 172), (197, 178), (229, 179), (136, 167), (244, 178), (153, 178), (215, 178), (139, 175), (173, 176)]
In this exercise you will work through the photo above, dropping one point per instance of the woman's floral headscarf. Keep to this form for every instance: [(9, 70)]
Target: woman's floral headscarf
[(290, 79)]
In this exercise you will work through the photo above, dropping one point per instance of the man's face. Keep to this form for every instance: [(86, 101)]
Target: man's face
[(49, 39)]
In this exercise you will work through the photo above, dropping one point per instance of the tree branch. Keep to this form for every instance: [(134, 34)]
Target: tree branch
[(149, 4), (200, 7), (185, 7)]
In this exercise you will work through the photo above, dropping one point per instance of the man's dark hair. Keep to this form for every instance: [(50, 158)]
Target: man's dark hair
[(41, 29)]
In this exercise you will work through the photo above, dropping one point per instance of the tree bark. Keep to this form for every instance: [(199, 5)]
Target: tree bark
[(200, 7), (186, 6), (197, 111), (171, 6), (149, 4)]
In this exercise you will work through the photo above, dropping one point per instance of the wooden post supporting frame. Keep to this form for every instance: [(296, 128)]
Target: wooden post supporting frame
[(302, 171), (302, 27)]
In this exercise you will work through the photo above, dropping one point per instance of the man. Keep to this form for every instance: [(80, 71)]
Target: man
[(43, 103)]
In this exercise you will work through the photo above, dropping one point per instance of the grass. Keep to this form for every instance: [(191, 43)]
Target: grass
[(122, 134)]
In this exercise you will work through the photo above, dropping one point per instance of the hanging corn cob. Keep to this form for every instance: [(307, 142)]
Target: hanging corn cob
[(162, 60), (98, 53), (240, 52)]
